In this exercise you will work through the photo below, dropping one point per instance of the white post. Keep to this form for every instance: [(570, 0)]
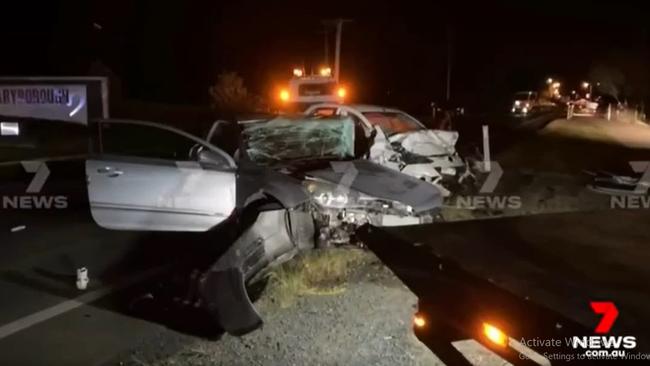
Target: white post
[(486, 148), (82, 278), (609, 112), (337, 50)]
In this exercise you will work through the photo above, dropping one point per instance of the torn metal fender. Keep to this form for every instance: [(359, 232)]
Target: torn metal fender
[(274, 237), (228, 301)]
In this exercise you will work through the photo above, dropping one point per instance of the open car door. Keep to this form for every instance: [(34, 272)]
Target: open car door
[(149, 177)]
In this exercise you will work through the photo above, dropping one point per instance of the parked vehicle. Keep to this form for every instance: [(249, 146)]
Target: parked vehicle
[(401, 142), (584, 108), (524, 103)]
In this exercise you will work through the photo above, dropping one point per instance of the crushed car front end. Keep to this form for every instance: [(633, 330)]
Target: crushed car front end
[(344, 192), (338, 211)]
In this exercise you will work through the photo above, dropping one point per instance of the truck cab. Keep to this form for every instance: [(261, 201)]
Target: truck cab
[(304, 90)]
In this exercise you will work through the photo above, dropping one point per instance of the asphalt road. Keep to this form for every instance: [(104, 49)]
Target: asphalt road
[(46, 320), (560, 261)]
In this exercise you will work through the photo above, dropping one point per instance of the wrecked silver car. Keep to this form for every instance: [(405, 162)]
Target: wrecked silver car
[(402, 143), (344, 192)]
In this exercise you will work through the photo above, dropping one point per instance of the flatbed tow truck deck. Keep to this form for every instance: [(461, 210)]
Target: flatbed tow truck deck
[(532, 278)]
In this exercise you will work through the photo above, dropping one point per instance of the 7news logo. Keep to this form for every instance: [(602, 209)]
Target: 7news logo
[(486, 199), (602, 345), (637, 198), (33, 200)]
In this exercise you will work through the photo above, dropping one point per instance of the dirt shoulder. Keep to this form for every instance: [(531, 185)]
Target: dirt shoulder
[(357, 314)]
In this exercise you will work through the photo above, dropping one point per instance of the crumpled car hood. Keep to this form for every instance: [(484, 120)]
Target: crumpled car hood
[(428, 142), (381, 182)]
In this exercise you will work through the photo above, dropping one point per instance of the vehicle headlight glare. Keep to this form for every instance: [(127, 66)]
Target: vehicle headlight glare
[(330, 195), (331, 199)]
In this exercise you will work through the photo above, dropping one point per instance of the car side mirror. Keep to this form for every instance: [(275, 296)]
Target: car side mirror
[(210, 157)]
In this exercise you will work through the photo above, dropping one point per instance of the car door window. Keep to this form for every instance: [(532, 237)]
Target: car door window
[(142, 141), (151, 142)]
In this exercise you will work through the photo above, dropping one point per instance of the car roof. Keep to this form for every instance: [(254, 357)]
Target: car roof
[(363, 108)]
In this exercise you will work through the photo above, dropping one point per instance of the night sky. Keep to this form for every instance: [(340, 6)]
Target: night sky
[(393, 52)]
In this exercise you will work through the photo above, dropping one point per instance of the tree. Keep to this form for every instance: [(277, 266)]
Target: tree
[(623, 74), (610, 80), (230, 96)]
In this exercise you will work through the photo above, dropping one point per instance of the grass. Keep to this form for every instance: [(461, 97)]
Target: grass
[(318, 272)]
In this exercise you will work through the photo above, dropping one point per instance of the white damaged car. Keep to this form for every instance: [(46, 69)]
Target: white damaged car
[(403, 143)]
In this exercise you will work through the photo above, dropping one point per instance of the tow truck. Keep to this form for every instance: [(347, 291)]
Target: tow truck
[(303, 90), (536, 290)]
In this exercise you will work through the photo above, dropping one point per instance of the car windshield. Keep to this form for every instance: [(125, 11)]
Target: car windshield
[(285, 140), (392, 123)]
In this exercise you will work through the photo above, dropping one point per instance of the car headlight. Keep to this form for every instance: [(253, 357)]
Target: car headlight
[(331, 199), (329, 195), (402, 208), (334, 196)]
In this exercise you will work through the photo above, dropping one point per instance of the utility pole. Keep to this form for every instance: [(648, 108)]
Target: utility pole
[(449, 51), (337, 51), (326, 49)]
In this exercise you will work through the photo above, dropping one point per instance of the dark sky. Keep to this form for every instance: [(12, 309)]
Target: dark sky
[(393, 52)]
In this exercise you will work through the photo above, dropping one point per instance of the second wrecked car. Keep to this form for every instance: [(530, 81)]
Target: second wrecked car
[(401, 142)]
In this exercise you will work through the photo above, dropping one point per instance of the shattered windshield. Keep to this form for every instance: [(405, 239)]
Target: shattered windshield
[(285, 139), (392, 123)]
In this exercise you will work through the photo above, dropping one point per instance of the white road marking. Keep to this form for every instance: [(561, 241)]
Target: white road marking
[(18, 228), (56, 310)]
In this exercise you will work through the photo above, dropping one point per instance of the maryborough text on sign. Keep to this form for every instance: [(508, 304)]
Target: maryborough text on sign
[(27, 95)]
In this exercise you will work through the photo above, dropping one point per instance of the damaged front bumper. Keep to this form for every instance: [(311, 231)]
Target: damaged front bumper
[(367, 192), (337, 226)]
